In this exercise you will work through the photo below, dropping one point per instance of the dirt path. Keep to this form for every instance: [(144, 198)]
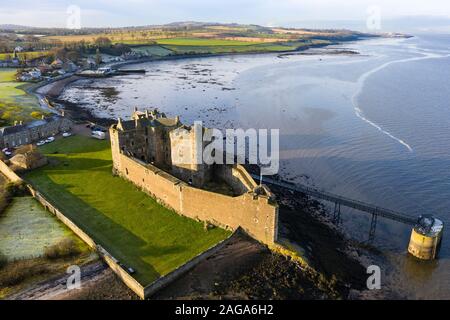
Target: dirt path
[(56, 288)]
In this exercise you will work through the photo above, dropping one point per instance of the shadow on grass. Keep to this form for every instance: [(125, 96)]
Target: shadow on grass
[(122, 243), (70, 165)]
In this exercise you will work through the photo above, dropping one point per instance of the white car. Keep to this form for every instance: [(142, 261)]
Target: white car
[(98, 135), (40, 143), (50, 139), (8, 153), (66, 134)]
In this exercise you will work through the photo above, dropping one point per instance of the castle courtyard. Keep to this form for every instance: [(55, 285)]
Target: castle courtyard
[(132, 226)]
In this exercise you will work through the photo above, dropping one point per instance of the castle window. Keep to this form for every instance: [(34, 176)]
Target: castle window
[(126, 171)]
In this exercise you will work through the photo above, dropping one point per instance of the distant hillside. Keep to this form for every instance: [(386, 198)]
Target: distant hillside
[(14, 27)]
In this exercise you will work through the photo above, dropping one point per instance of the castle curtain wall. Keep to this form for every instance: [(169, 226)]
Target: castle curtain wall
[(255, 214)]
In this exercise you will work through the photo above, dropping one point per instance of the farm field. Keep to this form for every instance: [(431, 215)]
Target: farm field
[(207, 40), (202, 42), (35, 246), (26, 229), (23, 55), (132, 226), (15, 103), (155, 50), (192, 45)]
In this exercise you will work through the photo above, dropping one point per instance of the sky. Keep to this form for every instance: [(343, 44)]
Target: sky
[(116, 13)]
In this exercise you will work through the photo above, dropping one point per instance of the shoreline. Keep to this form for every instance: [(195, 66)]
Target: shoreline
[(78, 113), (334, 255), (59, 84)]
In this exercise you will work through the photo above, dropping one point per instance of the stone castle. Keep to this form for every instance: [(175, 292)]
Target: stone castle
[(145, 151)]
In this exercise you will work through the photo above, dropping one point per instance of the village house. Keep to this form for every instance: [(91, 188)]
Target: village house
[(31, 75), (69, 66), (27, 157), (20, 134), (57, 64)]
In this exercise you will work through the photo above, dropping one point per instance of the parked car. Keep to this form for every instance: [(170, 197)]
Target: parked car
[(50, 139), (40, 143), (66, 134), (7, 151), (98, 135), (131, 270)]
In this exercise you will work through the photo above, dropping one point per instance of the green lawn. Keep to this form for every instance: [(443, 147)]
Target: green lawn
[(155, 50), (202, 42), (15, 103), (133, 227)]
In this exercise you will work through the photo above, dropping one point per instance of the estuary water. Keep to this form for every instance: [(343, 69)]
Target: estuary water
[(373, 127)]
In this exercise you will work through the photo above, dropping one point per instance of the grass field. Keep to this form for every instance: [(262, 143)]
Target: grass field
[(201, 42), (230, 49), (22, 55), (26, 229), (128, 223), (153, 50), (15, 103), (197, 42), (193, 45)]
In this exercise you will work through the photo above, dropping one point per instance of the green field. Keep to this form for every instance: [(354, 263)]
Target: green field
[(202, 42), (26, 229), (154, 50), (15, 103), (23, 55), (199, 46), (132, 226)]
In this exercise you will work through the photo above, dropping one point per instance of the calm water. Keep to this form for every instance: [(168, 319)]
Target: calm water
[(374, 127)]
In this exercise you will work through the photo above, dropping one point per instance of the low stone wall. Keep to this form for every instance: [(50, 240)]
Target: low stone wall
[(69, 223), (109, 259), (128, 280)]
